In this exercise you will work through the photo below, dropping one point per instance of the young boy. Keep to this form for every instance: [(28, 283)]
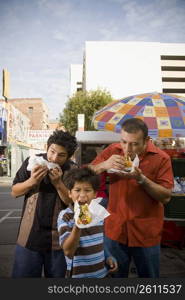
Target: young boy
[(45, 195), (84, 249)]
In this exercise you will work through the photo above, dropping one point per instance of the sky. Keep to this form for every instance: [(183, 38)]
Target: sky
[(40, 39)]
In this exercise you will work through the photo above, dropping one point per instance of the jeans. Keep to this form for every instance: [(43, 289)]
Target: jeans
[(28, 263), (146, 259)]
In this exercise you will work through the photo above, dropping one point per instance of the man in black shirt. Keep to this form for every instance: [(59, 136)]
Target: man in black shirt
[(37, 248)]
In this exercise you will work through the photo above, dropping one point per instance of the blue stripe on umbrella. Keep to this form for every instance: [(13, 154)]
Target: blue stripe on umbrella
[(180, 101), (153, 133), (126, 100), (149, 102), (178, 133), (177, 123), (170, 102)]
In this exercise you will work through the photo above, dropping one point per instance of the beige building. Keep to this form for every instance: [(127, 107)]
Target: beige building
[(35, 109), (15, 130), (53, 124)]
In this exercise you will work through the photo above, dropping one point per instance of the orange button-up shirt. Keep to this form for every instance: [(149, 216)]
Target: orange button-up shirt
[(136, 218)]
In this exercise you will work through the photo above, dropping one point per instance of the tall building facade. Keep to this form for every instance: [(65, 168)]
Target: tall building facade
[(128, 68), (75, 78), (14, 147), (35, 109), (173, 68)]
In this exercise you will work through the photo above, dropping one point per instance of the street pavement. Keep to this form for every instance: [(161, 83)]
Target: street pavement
[(172, 263), (10, 212)]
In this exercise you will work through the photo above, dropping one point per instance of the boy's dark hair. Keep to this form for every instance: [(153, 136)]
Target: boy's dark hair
[(64, 139), (133, 125), (84, 174)]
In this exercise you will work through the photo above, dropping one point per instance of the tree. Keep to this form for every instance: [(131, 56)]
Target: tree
[(86, 103)]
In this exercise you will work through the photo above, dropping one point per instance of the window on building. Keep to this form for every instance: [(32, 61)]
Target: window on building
[(30, 110)]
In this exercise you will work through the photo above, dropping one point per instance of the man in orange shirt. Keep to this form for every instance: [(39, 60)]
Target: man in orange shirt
[(136, 199)]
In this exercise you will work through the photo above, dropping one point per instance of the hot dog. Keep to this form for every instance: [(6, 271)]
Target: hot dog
[(85, 215), (127, 163)]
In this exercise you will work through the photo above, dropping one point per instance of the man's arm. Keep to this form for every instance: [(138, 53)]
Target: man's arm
[(71, 242), (22, 188), (156, 191)]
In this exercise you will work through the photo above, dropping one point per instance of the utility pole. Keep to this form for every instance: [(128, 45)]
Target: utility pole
[(5, 94), (6, 84)]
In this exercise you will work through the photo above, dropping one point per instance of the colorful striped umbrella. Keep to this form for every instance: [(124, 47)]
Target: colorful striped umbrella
[(164, 114)]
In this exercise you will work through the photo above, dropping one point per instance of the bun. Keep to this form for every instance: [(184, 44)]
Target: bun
[(127, 162), (85, 215)]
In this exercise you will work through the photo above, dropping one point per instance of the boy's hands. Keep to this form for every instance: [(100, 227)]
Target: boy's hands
[(55, 176), (112, 263), (37, 174)]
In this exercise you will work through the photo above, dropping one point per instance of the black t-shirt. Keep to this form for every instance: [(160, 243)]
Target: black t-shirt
[(38, 226)]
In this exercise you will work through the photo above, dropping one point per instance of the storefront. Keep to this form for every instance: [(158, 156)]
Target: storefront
[(3, 141), (3, 161)]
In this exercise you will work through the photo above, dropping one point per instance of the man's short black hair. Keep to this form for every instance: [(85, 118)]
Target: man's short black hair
[(134, 125), (84, 174), (64, 139)]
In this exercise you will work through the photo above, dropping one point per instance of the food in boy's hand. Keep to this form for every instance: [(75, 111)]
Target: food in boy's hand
[(85, 215), (127, 163)]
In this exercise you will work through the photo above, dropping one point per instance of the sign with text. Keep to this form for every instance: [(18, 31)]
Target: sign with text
[(38, 136)]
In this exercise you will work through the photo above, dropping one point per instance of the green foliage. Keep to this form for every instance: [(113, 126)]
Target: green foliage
[(86, 103)]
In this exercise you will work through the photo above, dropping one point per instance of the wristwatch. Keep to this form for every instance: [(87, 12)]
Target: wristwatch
[(142, 179)]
